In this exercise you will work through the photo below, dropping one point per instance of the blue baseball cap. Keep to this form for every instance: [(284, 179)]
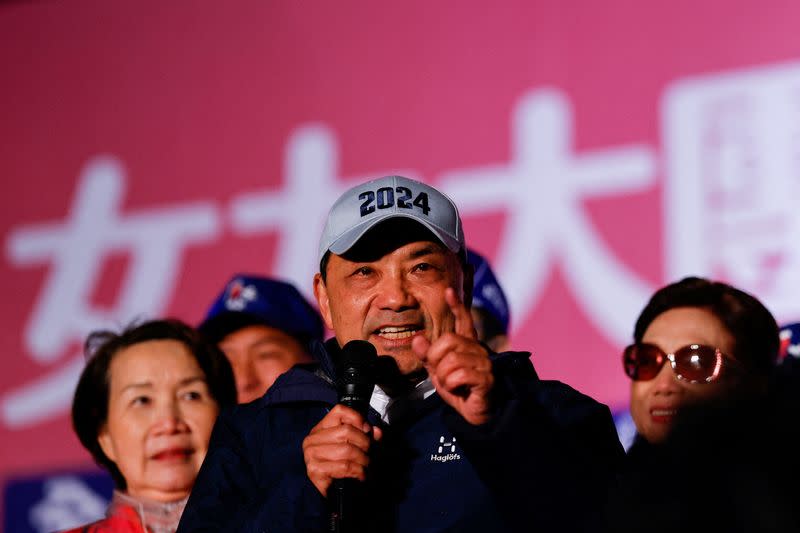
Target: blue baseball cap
[(790, 342), (486, 291), (250, 300)]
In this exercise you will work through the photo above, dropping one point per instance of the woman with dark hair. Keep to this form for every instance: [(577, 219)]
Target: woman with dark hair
[(144, 408), (697, 342), (710, 419)]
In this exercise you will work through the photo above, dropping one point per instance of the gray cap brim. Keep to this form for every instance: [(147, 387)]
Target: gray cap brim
[(352, 236)]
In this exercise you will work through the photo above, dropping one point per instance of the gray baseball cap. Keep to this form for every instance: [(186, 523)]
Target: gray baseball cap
[(362, 207)]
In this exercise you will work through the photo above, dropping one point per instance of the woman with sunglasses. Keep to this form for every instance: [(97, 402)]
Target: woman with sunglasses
[(697, 343), (717, 427)]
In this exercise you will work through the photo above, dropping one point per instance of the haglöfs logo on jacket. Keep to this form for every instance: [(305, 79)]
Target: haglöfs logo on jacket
[(445, 450)]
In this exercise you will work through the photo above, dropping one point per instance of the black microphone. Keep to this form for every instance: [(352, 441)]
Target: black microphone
[(355, 381)]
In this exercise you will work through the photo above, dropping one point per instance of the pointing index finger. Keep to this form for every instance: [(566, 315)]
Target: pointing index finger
[(463, 318)]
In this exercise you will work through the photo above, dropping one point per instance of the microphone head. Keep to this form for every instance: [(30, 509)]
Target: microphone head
[(355, 374), (358, 354)]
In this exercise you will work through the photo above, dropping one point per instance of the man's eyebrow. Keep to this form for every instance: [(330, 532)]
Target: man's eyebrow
[(266, 338)]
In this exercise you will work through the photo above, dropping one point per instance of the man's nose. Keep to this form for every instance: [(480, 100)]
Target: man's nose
[(395, 294)]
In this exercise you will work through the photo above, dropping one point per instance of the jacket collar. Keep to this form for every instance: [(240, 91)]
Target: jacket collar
[(312, 382)]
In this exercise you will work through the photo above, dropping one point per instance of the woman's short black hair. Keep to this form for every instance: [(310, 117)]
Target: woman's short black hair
[(747, 320), (90, 403)]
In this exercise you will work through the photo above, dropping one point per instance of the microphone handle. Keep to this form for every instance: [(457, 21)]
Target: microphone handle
[(344, 494)]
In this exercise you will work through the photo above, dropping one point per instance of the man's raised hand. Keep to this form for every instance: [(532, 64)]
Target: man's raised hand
[(459, 365)]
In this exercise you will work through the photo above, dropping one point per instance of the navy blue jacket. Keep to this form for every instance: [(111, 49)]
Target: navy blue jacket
[(544, 462)]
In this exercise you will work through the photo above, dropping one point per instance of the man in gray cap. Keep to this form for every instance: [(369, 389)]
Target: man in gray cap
[(456, 438)]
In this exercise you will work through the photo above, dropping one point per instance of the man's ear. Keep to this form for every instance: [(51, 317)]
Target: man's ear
[(323, 302)]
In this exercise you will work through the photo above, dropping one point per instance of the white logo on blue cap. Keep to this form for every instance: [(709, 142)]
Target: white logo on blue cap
[(240, 296)]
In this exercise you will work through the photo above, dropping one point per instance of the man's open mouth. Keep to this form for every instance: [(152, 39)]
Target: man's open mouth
[(397, 332)]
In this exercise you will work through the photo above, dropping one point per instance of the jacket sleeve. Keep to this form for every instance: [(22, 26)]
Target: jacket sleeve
[(549, 454), (225, 482), (234, 490)]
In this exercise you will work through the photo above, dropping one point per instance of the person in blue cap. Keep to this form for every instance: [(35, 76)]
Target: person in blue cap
[(490, 314), (264, 327), (790, 342)]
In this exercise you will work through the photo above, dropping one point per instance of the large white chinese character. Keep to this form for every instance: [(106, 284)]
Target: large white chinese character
[(541, 190), (732, 156), (298, 210), (75, 249)]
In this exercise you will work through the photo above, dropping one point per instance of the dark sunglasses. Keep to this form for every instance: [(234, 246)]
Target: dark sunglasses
[(695, 363)]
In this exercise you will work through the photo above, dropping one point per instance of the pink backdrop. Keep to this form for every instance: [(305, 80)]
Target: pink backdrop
[(597, 150)]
